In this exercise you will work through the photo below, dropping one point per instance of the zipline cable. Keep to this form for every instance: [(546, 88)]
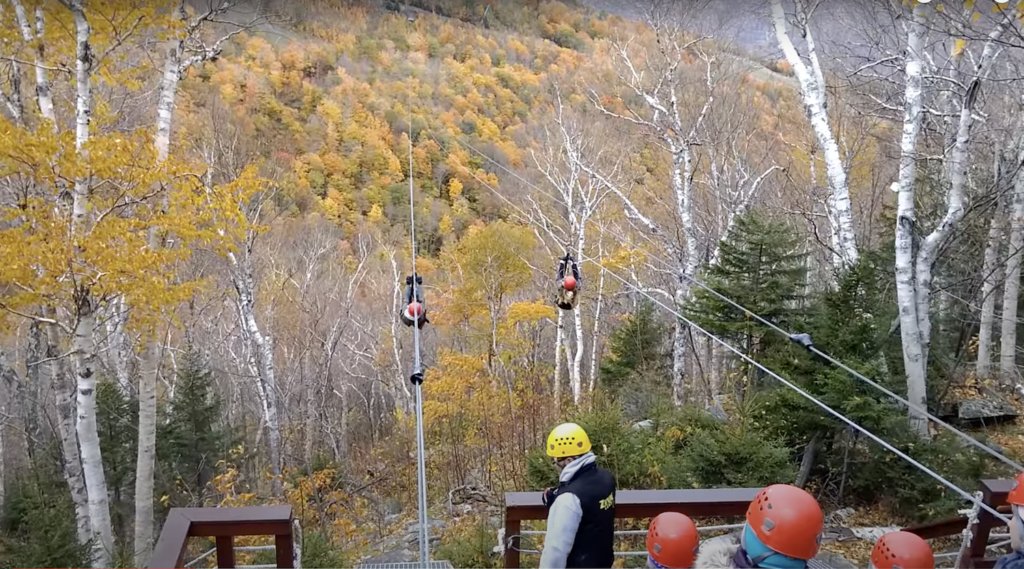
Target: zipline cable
[(778, 377), (417, 373), (811, 398), (793, 337)]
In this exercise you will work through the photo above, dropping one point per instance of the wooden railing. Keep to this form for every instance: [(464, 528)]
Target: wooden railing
[(629, 504), (994, 494), (223, 524)]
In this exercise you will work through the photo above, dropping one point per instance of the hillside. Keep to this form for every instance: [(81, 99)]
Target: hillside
[(210, 316)]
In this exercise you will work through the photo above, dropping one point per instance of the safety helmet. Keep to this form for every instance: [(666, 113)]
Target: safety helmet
[(1016, 495), (568, 439), (672, 540), (787, 520), (569, 283), (414, 310), (902, 550)]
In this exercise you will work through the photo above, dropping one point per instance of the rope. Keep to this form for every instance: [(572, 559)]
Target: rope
[(794, 337), (972, 518), (417, 372), (771, 373)]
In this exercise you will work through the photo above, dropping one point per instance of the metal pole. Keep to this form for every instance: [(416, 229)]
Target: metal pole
[(417, 379)]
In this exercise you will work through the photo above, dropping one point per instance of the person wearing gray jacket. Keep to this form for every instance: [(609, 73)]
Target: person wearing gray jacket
[(581, 509)]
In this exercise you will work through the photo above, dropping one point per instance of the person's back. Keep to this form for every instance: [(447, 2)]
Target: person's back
[(581, 510)]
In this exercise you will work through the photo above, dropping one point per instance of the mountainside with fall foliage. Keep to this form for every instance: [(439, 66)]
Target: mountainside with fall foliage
[(204, 258)]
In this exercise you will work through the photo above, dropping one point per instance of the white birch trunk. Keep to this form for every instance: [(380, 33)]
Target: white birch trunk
[(88, 435), (595, 347), (812, 88), (577, 359), (913, 356), (992, 273), (83, 341), (679, 355), (1011, 287), (263, 354), (150, 360), (64, 397), (556, 386)]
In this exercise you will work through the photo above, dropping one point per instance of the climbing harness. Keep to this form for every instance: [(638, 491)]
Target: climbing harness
[(415, 311), (568, 283)]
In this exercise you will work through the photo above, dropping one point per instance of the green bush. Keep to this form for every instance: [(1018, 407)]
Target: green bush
[(38, 524), (470, 544)]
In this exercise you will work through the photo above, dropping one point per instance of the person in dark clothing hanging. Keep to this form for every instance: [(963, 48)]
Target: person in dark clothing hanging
[(581, 509), (567, 294), (414, 311)]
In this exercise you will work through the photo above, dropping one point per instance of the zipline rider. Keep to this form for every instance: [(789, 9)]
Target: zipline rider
[(581, 509)]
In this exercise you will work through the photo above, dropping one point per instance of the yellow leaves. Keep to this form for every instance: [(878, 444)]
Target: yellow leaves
[(445, 225), (376, 214), (531, 312), (454, 188), (958, 46)]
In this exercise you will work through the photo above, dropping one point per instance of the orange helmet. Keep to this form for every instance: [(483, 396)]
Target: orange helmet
[(787, 520), (569, 283), (672, 540), (902, 550), (1016, 495)]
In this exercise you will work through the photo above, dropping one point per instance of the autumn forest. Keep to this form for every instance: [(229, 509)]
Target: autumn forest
[(205, 238)]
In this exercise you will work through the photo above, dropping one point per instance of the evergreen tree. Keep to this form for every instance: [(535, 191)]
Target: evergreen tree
[(635, 372), (117, 420), (761, 267), (38, 524), (193, 438), (636, 347)]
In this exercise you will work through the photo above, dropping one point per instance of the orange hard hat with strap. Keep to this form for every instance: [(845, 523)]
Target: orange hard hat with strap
[(1016, 495), (787, 520), (672, 540), (902, 550)]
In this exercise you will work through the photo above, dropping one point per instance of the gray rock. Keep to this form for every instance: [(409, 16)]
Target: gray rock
[(990, 407)]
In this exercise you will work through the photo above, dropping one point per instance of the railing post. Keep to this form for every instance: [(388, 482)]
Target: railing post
[(225, 551), (285, 549), (512, 528)]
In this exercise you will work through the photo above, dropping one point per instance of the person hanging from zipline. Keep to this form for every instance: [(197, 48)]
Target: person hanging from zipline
[(567, 283), (415, 311)]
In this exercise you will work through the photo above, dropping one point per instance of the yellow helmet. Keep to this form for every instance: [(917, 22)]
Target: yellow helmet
[(568, 439)]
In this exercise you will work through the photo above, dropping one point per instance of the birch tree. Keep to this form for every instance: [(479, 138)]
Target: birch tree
[(813, 90), (914, 271), (579, 197), (184, 51), (992, 275), (1011, 285)]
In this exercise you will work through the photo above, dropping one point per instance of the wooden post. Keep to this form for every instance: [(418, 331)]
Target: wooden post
[(285, 550), (225, 551), (512, 528)]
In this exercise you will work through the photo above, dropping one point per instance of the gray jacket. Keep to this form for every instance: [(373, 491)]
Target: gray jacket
[(563, 520)]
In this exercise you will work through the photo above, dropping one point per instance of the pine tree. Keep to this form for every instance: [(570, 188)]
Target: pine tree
[(193, 439), (636, 347), (761, 268), (117, 420)]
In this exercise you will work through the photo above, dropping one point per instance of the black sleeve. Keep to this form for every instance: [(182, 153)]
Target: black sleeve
[(561, 270), (408, 294)]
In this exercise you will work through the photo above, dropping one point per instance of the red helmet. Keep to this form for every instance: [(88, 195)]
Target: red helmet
[(569, 283), (414, 310), (902, 550), (787, 520), (1016, 495), (672, 540)]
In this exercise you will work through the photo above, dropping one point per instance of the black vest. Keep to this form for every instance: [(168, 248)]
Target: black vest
[(595, 488)]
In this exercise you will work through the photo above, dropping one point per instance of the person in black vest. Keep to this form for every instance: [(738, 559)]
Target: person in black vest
[(581, 510)]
